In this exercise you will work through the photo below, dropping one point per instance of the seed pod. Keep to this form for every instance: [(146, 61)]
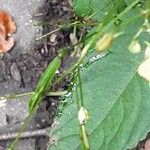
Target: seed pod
[(105, 42)]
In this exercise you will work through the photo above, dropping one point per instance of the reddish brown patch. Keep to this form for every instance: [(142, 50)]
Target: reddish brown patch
[(7, 27)]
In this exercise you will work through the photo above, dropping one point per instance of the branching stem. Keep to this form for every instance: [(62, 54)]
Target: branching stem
[(12, 96)]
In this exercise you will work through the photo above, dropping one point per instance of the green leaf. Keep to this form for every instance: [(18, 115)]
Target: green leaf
[(131, 100), (82, 7), (142, 125), (98, 9), (116, 98), (112, 127)]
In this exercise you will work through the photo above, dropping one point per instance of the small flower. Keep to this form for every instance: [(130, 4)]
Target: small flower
[(83, 115), (135, 47)]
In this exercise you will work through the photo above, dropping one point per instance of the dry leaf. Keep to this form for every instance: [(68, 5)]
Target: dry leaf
[(7, 27)]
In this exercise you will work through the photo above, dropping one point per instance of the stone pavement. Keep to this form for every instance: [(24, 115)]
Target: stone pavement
[(22, 12)]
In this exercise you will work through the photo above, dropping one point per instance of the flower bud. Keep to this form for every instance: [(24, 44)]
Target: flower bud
[(83, 115), (105, 42), (135, 47)]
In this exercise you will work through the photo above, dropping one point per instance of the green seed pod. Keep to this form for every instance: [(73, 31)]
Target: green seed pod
[(105, 42)]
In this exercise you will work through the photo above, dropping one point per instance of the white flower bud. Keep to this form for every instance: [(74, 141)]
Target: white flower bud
[(83, 115), (135, 47)]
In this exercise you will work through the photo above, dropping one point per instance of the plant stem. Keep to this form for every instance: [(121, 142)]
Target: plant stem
[(105, 24), (80, 88), (12, 96), (59, 28), (83, 53), (92, 15), (85, 137), (76, 23), (27, 134), (47, 34), (122, 13), (79, 97), (25, 124)]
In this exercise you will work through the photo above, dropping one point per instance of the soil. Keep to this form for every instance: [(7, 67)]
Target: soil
[(19, 73)]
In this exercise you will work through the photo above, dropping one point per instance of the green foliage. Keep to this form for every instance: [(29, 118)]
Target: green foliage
[(96, 7), (82, 7), (116, 98)]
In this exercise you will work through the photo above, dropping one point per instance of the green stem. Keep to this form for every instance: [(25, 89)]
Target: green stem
[(47, 34), (12, 96), (122, 13), (80, 88), (111, 12), (129, 21), (25, 124), (59, 28), (76, 23), (92, 15), (79, 97), (85, 137), (83, 53)]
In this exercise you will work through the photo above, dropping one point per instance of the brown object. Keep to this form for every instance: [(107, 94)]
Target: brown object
[(7, 27)]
